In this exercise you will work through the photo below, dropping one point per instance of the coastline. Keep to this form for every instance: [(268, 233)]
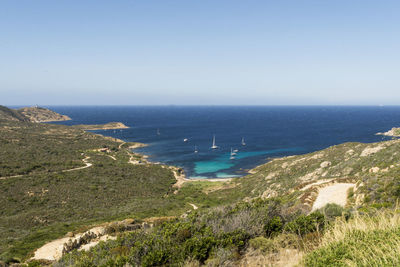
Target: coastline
[(178, 172), (394, 132)]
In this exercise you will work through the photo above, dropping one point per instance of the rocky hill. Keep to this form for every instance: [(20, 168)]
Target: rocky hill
[(30, 114), (39, 114), (7, 114)]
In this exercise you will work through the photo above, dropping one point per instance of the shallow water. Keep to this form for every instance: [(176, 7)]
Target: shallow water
[(269, 131)]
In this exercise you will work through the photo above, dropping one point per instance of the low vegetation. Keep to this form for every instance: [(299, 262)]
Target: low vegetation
[(365, 240), (42, 200), (106, 126), (218, 236), (56, 179), (31, 114)]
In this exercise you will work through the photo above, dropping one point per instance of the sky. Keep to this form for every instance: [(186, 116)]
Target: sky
[(218, 52)]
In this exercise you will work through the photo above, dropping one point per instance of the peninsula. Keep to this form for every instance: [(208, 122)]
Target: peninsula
[(395, 132), (106, 126), (63, 191)]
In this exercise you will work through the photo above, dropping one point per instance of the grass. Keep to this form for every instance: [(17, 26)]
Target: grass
[(365, 240), (46, 203)]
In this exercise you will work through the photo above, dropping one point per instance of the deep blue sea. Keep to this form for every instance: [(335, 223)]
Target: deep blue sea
[(269, 131)]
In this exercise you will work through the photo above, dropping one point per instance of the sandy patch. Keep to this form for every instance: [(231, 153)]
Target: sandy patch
[(371, 150), (336, 193)]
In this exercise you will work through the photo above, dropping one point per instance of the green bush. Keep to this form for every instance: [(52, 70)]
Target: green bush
[(306, 224), (273, 226)]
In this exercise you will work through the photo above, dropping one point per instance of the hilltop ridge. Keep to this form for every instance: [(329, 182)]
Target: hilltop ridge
[(31, 114), (39, 114)]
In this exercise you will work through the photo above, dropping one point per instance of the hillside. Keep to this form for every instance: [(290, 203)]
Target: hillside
[(58, 181), (39, 114), (7, 114), (275, 223), (32, 114)]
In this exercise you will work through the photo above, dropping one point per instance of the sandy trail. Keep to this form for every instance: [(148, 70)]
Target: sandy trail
[(194, 206), (112, 157), (120, 145), (336, 194), (85, 160), (13, 176)]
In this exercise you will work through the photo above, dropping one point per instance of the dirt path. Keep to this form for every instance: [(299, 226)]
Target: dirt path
[(336, 193), (13, 176), (85, 161), (120, 145), (54, 250), (194, 206), (112, 157)]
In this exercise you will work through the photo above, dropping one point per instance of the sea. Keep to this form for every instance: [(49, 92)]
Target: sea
[(173, 133)]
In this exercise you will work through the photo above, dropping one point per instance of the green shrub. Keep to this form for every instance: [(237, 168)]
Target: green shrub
[(273, 226), (237, 238), (199, 247), (306, 224)]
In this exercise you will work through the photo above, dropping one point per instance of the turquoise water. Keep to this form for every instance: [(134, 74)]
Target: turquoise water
[(223, 161), (269, 132)]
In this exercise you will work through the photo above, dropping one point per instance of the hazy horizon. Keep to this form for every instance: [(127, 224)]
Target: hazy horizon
[(199, 53)]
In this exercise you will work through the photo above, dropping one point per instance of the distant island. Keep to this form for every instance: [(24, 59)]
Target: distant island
[(392, 132)]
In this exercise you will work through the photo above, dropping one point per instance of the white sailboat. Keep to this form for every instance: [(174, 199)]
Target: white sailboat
[(243, 143), (213, 144), (195, 149), (233, 153)]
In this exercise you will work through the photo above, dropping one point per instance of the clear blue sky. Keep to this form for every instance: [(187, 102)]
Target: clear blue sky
[(199, 52)]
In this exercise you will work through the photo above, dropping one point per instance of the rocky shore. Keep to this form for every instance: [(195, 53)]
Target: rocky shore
[(106, 126), (392, 132)]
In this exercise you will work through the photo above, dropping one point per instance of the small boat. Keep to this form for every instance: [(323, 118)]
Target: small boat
[(158, 132), (185, 140), (243, 143), (213, 144), (195, 149), (233, 153), (236, 150), (232, 157)]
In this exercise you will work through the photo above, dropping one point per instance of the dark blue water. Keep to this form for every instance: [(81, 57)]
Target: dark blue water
[(271, 131)]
